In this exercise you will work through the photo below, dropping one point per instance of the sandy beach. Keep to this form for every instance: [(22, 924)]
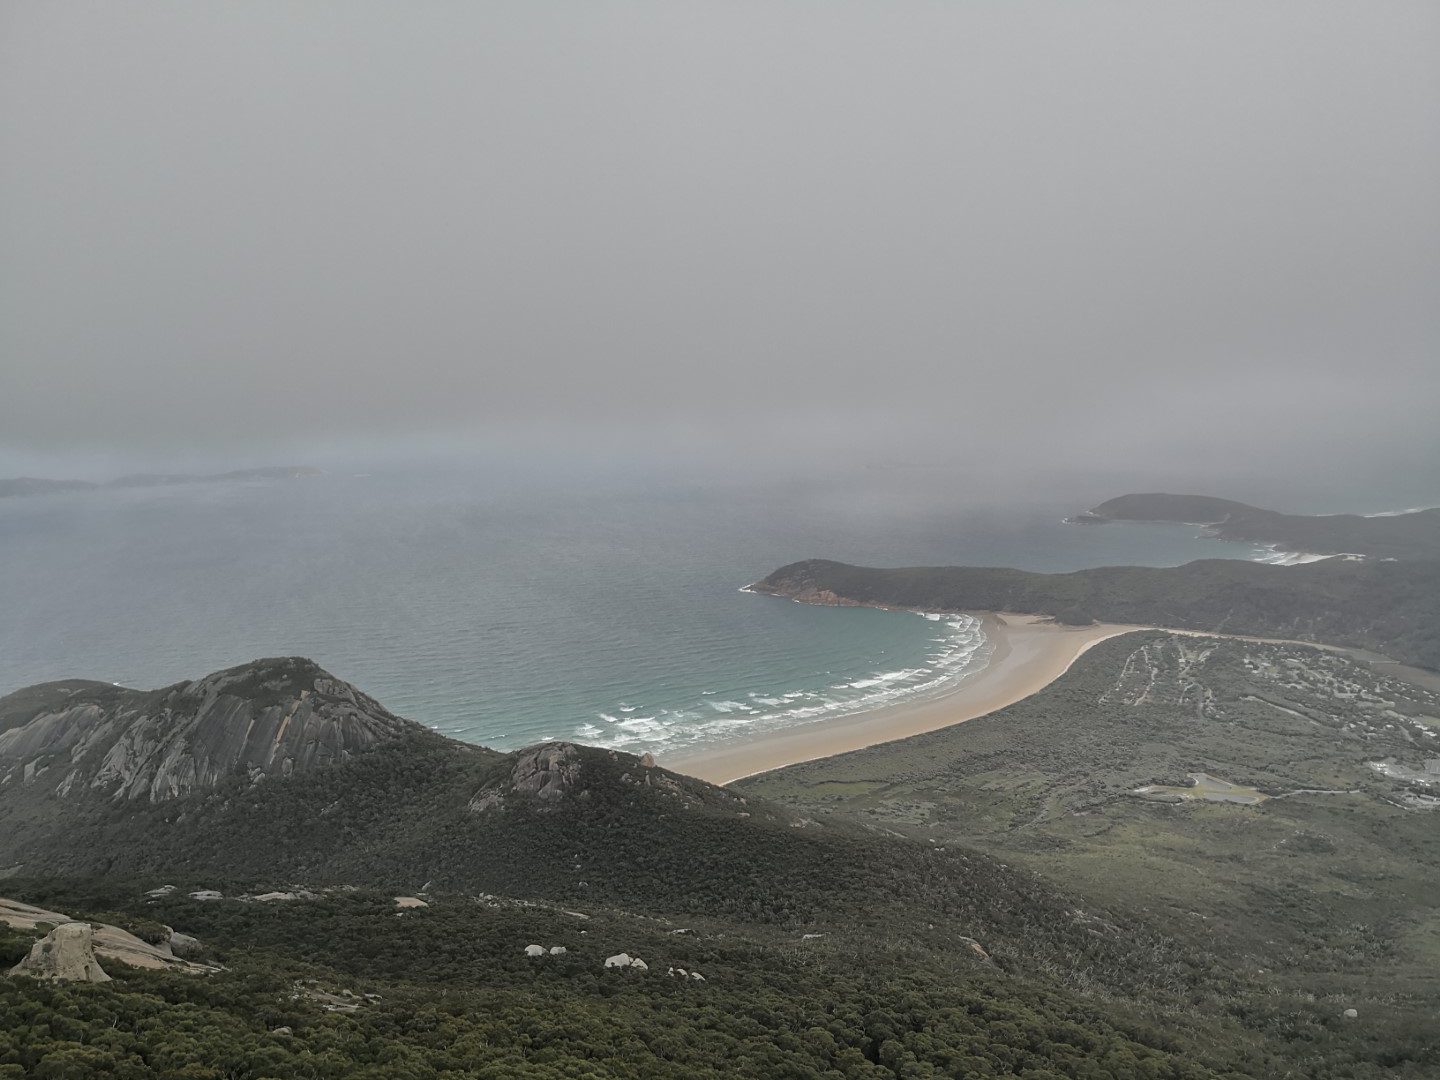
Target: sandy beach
[(1028, 655)]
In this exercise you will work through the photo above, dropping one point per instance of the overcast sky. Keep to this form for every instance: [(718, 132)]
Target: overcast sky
[(236, 229)]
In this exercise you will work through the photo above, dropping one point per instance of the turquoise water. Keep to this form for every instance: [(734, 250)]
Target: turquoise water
[(588, 607)]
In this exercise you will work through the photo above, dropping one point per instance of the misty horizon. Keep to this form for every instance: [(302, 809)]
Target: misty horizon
[(1170, 239), (719, 538)]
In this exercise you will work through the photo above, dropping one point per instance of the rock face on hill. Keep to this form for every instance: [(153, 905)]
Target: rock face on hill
[(71, 949), (269, 718), (67, 952), (546, 773), (554, 776)]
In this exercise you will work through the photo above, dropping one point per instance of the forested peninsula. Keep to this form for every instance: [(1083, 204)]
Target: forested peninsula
[(1413, 534), (1386, 603)]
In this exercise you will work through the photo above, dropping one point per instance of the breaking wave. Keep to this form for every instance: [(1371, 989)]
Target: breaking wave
[(958, 651)]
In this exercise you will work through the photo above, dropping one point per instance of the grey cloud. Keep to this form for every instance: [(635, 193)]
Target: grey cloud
[(913, 228)]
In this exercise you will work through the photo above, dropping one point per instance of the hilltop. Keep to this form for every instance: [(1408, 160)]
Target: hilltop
[(266, 718), (1414, 534)]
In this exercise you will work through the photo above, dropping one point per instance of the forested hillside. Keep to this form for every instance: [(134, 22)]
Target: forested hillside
[(1411, 535), (1390, 607), (1275, 803), (990, 900)]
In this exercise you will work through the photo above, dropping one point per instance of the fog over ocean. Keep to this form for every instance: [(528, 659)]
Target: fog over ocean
[(507, 610)]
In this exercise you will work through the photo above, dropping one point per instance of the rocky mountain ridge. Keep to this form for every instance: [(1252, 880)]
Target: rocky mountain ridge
[(269, 718)]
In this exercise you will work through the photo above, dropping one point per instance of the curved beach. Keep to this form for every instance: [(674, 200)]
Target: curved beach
[(1028, 655)]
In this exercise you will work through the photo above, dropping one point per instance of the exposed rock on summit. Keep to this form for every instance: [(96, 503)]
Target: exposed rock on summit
[(553, 777), (547, 771), (270, 718)]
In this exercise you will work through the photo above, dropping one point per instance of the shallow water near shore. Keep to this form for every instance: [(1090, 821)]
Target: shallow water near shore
[(596, 608)]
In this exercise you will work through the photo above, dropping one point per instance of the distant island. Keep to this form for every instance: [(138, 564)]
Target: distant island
[(1387, 601), (30, 485), (1413, 534)]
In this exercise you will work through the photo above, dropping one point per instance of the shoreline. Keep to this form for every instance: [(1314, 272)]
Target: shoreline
[(1028, 653)]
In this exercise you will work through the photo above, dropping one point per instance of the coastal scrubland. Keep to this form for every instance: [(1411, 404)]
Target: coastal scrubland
[(1413, 534), (1389, 607), (994, 899), (1324, 891)]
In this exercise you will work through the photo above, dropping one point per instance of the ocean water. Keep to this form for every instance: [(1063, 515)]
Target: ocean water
[(509, 610)]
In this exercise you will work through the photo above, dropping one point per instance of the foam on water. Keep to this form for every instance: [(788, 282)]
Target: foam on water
[(960, 652), (504, 609), (1276, 557)]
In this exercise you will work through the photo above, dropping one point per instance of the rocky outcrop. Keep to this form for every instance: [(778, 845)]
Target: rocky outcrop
[(22, 916), (268, 718), (67, 952), (625, 960), (561, 777), (546, 772), (113, 943), (69, 949), (183, 944)]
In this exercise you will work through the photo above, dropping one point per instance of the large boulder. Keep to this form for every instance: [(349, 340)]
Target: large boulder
[(183, 944), (546, 772), (67, 952), (113, 943)]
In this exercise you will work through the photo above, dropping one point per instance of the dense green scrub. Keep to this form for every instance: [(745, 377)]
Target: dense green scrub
[(1412, 535), (1326, 894), (447, 991), (1390, 607), (993, 899)]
